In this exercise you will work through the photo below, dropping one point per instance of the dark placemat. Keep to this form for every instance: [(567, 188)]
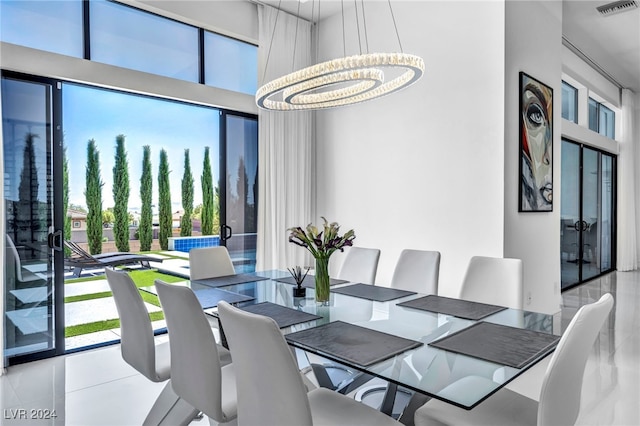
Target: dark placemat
[(210, 297), (309, 281), (282, 315), (515, 347), (372, 292), (352, 343), (229, 280), (456, 307)]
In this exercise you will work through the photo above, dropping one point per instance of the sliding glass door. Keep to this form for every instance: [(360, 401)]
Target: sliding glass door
[(587, 214), (239, 218), (33, 326), (40, 319)]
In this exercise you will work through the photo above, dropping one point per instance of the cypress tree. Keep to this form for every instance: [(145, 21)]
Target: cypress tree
[(28, 221), (187, 197), (164, 208), (121, 196), (207, 196), (65, 200), (145, 230), (93, 197)]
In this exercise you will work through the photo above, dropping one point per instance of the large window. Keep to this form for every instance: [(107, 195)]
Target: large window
[(569, 102), (230, 64), (101, 115), (55, 26), (130, 38), (602, 119)]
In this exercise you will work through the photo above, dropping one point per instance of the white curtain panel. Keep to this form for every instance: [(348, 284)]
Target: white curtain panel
[(627, 245), (285, 145)]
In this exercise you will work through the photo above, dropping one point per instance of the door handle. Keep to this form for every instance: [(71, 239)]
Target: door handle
[(55, 240), (226, 232)]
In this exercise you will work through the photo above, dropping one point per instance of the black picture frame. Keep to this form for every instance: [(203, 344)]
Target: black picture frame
[(535, 192)]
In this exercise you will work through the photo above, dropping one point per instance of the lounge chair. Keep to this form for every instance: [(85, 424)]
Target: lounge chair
[(80, 259)]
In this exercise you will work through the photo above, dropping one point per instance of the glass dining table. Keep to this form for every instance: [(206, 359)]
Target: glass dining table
[(425, 362)]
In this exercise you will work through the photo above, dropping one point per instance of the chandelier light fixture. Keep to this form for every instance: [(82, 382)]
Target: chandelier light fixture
[(342, 81)]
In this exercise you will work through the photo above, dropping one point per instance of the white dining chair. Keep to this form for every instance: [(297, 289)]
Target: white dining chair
[(360, 265), (140, 350), (210, 262), (197, 375), (561, 387), (14, 263), (270, 388), (417, 270), (494, 280)]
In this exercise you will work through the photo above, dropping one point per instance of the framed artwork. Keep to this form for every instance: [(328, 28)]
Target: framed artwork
[(536, 146)]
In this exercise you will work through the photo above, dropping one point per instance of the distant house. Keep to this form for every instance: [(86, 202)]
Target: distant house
[(78, 220), (136, 219)]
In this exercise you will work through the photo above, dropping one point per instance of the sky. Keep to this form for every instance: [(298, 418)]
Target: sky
[(90, 113)]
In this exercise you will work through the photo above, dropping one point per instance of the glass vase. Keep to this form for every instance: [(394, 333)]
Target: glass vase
[(322, 280)]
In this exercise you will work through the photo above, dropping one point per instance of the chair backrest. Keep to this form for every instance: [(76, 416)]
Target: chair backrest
[(210, 262), (417, 270), (137, 343), (360, 265), (77, 251), (13, 261), (562, 383), (270, 388), (195, 366), (494, 280)]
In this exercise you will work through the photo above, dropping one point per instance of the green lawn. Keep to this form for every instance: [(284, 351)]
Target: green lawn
[(142, 278)]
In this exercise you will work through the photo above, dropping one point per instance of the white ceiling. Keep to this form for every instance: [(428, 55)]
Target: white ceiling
[(612, 42)]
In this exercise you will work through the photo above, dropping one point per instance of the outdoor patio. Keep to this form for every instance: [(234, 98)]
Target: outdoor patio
[(103, 308)]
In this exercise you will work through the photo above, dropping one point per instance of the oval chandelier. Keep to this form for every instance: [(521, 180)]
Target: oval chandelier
[(342, 81)]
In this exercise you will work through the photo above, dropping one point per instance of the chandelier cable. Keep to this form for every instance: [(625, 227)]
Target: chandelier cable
[(273, 35), (395, 26), (364, 24), (295, 41), (355, 8), (313, 9), (344, 36)]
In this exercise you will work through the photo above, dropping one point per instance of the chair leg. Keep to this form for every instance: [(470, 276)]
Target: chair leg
[(416, 401), (389, 399), (170, 409), (322, 377)]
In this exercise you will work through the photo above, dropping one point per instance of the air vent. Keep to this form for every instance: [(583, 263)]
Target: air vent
[(617, 7)]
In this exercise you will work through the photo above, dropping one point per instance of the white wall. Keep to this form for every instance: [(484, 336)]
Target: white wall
[(422, 168), (589, 77), (534, 45)]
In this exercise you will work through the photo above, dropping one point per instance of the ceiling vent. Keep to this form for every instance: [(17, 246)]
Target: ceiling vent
[(617, 7)]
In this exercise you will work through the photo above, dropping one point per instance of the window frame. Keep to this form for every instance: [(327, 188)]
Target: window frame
[(575, 101), (597, 126)]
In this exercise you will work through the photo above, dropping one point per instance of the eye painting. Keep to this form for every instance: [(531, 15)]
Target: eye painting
[(536, 145)]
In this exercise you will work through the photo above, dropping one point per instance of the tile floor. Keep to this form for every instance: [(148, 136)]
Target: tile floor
[(97, 388)]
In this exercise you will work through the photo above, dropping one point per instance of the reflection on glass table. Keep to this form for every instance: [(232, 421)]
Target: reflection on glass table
[(425, 369)]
